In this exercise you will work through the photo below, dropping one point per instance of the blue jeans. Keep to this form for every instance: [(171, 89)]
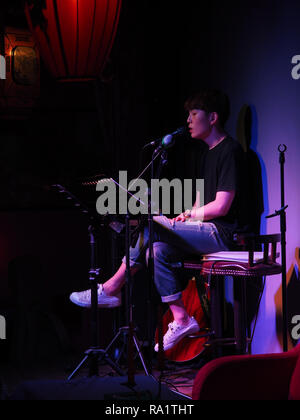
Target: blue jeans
[(171, 242)]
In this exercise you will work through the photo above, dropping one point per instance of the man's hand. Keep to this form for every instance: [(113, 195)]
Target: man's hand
[(182, 217), (217, 208)]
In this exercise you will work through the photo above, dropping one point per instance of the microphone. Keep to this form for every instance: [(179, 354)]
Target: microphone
[(167, 141)]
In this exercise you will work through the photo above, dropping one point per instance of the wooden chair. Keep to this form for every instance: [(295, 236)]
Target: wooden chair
[(215, 267)]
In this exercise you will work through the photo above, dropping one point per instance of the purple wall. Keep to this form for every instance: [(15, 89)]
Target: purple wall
[(252, 56)]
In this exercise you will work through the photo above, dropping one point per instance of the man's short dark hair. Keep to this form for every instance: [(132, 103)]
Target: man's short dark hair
[(210, 100)]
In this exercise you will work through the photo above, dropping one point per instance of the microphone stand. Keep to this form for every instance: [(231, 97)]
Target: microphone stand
[(159, 152), (129, 330), (282, 213)]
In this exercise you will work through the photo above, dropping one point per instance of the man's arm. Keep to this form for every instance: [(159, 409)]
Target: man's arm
[(217, 208)]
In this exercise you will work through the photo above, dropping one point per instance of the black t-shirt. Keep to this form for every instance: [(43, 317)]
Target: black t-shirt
[(222, 169)]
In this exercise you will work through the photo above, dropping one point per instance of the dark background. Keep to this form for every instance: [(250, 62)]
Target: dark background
[(86, 128), (74, 131)]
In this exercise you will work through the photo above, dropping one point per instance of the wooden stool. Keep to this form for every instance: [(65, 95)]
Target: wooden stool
[(242, 266)]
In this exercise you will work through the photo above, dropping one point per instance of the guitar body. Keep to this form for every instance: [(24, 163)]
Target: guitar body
[(188, 348)]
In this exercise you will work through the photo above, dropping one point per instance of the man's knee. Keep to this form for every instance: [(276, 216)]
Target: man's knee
[(161, 252)]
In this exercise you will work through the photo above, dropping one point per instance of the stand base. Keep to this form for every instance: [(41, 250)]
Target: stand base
[(125, 331), (93, 356)]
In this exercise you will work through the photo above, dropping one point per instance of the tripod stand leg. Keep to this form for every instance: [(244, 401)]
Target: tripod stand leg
[(140, 354), (78, 367), (112, 342), (114, 365), (117, 358)]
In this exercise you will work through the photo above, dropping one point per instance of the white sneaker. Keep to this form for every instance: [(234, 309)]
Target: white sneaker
[(83, 299), (177, 332)]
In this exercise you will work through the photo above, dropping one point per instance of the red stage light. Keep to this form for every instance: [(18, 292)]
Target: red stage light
[(75, 37)]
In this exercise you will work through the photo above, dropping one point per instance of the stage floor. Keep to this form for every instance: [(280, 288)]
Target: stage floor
[(177, 377)]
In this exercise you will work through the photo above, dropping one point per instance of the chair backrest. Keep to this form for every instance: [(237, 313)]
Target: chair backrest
[(250, 242)]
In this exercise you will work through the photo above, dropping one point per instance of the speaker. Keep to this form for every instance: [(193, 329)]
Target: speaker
[(94, 388)]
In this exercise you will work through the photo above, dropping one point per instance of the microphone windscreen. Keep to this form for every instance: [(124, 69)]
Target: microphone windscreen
[(168, 141)]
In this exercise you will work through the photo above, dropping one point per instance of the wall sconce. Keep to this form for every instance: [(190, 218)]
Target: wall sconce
[(20, 88)]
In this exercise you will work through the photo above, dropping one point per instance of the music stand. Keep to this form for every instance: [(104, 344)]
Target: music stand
[(94, 354)]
